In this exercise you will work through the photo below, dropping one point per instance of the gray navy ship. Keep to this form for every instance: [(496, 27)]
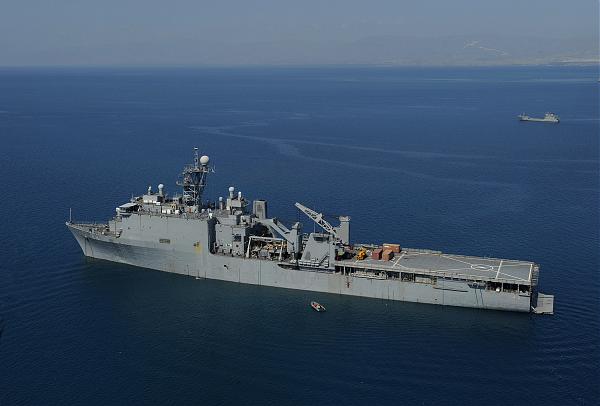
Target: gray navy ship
[(235, 240)]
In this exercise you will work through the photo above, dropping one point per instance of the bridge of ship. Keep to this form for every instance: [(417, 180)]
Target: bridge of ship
[(437, 264)]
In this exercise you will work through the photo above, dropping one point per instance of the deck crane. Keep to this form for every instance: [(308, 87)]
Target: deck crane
[(317, 218), (341, 233)]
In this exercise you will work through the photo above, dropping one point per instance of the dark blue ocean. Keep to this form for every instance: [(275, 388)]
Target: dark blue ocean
[(430, 158)]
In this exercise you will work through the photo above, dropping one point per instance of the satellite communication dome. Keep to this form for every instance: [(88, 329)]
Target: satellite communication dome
[(204, 160), (231, 189)]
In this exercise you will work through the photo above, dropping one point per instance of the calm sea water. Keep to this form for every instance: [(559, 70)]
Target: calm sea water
[(430, 158)]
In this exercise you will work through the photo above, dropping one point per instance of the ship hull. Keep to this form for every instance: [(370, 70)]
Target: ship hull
[(540, 120), (200, 263), (554, 120)]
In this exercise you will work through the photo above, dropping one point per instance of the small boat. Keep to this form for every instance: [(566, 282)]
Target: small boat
[(317, 306)]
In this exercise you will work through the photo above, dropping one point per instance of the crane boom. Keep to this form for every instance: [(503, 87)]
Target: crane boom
[(317, 218)]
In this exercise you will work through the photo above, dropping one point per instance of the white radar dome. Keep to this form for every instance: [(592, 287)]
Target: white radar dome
[(204, 160), (231, 189)]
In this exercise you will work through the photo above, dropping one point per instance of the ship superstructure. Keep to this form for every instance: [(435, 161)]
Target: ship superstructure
[(233, 239)]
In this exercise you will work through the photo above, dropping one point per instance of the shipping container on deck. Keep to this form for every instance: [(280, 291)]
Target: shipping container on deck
[(393, 247), (387, 255), (377, 253)]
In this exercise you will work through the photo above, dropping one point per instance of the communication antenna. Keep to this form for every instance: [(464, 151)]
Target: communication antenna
[(193, 179)]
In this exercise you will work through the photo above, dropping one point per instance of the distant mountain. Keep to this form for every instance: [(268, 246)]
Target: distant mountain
[(475, 50), (371, 50), (395, 50)]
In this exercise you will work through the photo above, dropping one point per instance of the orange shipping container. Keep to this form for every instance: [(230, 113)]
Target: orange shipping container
[(387, 255), (376, 253), (394, 247)]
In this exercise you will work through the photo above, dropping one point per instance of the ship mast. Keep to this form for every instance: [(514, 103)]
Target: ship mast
[(193, 180)]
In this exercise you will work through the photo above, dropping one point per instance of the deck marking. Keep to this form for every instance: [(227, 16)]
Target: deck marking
[(499, 266), (454, 269), (482, 267), (398, 260), (457, 260), (513, 277)]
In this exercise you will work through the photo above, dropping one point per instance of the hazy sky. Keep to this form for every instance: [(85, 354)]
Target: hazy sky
[(125, 32)]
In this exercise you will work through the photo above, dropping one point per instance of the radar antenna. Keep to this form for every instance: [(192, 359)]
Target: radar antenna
[(317, 218), (193, 179)]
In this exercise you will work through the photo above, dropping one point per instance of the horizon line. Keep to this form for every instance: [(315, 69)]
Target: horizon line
[(582, 63)]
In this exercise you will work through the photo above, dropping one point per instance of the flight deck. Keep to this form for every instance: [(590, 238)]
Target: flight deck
[(451, 266)]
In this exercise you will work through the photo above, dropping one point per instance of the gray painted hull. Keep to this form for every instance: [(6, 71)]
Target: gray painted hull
[(196, 261)]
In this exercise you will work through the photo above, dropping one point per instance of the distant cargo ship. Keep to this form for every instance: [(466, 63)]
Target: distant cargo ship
[(548, 118)]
